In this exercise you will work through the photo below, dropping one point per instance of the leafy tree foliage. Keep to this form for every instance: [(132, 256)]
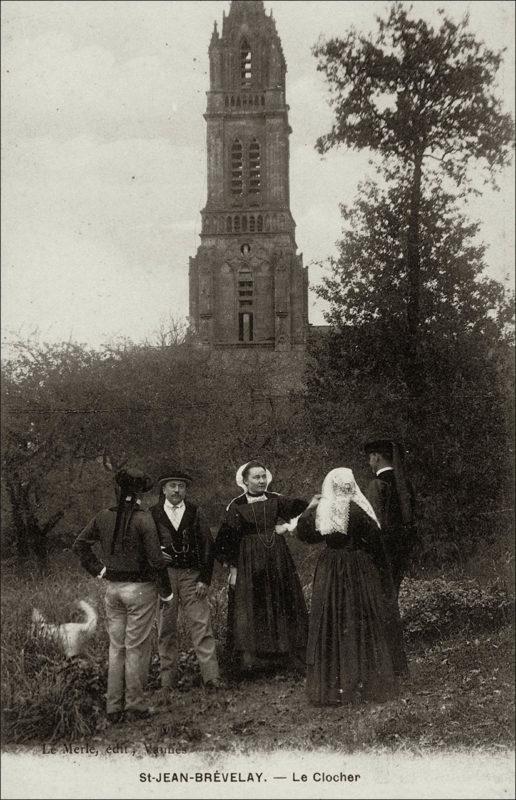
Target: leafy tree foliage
[(421, 342), (42, 389), (72, 417), (423, 99), (459, 438), (368, 280)]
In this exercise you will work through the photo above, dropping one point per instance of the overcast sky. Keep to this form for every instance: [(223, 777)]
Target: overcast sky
[(104, 165)]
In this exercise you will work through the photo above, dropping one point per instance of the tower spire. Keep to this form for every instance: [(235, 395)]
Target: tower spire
[(248, 287)]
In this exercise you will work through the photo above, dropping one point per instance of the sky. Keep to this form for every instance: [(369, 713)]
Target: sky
[(104, 155)]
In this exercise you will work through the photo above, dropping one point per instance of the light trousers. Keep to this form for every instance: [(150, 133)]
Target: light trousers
[(197, 612), (130, 611)]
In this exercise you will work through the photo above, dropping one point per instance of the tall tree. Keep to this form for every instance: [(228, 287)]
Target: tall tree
[(369, 279), (460, 441), (422, 98)]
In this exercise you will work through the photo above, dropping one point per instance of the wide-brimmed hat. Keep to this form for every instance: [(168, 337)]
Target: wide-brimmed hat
[(173, 474), (132, 479), (382, 443)]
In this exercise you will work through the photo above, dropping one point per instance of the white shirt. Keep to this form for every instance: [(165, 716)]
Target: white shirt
[(384, 469), (174, 513)]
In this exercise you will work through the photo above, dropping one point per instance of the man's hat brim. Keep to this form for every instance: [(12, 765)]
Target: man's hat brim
[(174, 475), (378, 444)]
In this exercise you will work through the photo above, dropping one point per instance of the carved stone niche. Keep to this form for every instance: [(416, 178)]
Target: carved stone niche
[(281, 279), (205, 329), (206, 290), (282, 335), (225, 322)]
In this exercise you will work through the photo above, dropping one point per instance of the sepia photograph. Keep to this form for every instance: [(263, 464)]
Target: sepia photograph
[(257, 417)]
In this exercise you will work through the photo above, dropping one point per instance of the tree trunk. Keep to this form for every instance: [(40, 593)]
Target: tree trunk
[(40, 548), (31, 537), (14, 489), (413, 372), (39, 535)]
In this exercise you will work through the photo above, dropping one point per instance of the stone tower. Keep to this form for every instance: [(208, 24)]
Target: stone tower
[(248, 286)]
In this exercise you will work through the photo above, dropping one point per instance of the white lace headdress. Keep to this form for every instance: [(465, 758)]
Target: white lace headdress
[(339, 490)]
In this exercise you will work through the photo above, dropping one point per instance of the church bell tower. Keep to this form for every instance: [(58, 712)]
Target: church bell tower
[(248, 286)]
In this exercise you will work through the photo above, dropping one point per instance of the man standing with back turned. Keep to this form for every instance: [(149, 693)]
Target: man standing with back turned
[(392, 497), (186, 538)]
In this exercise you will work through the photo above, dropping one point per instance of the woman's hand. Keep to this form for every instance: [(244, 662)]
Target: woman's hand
[(232, 576), (313, 502)]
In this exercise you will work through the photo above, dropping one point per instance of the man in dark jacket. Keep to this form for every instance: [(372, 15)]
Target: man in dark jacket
[(134, 568), (392, 496), (186, 539)]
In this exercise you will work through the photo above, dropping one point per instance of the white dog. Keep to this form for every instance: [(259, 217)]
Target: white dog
[(70, 636)]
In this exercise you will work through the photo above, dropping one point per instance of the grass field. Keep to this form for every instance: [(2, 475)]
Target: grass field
[(459, 693)]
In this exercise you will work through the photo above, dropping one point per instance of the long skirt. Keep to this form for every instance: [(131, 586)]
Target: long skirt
[(348, 657), (269, 617)]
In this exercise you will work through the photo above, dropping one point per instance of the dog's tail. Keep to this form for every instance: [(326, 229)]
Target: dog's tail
[(37, 617), (90, 623)]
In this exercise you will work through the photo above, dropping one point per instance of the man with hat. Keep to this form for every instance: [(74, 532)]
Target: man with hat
[(134, 568), (392, 496), (185, 537)]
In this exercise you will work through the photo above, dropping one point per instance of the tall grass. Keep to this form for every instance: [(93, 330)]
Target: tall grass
[(46, 697)]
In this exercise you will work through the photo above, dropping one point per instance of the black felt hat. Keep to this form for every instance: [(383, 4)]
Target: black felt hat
[(374, 445), (132, 479), (383, 443), (173, 474)]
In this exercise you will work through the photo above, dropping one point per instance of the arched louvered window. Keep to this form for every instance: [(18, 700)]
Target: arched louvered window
[(254, 168), (245, 63), (236, 169), (245, 305)]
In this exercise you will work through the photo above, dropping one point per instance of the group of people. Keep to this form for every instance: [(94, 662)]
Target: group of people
[(351, 643)]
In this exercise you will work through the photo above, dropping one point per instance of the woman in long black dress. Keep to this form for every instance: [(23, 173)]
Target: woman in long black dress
[(348, 653), (267, 614)]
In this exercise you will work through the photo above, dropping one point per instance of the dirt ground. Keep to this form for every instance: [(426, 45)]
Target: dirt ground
[(459, 694)]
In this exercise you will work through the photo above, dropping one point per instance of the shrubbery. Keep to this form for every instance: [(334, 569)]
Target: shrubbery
[(46, 698), (433, 609)]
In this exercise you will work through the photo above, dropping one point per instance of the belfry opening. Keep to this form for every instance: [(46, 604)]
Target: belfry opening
[(248, 286)]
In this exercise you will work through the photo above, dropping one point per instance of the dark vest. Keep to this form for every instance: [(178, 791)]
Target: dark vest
[(182, 545)]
